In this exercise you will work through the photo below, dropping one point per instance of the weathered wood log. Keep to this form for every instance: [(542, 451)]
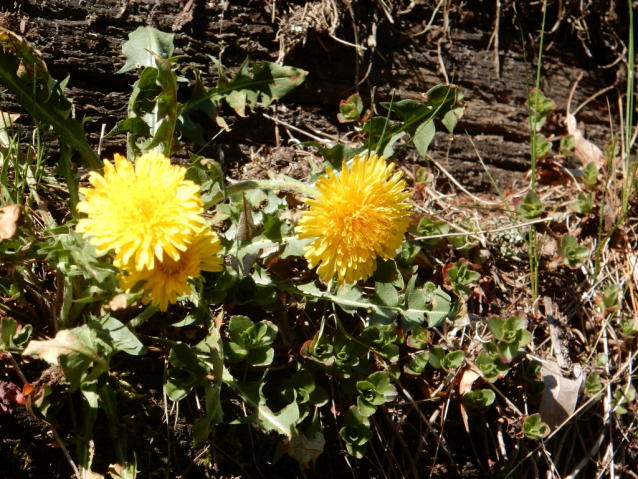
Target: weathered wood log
[(429, 42)]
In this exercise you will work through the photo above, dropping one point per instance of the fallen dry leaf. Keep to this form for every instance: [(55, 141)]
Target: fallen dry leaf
[(468, 376), (120, 301), (560, 395), (10, 219), (305, 450), (584, 149)]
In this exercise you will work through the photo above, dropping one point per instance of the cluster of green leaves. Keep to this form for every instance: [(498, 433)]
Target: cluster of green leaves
[(534, 427), (573, 254), (156, 119), (511, 337), (541, 108), (415, 119), (13, 337)]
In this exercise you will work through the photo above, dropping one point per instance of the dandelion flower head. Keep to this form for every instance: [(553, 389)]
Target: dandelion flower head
[(360, 215), (168, 279), (145, 211)]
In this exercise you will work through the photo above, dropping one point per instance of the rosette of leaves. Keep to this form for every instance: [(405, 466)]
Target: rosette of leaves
[(448, 362), (419, 338), (355, 432), (490, 364), (540, 107), (622, 397), (418, 363), (567, 145), (428, 227), (187, 371), (381, 338), (462, 278), (301, 388), (347, 353), (530, 207), (584, 203), (573, 254), (373, 392), (592, 384), (13, 338), (251, 341), (534, 427), (629, 327), (463, 243), (609, 299), (351, 109), (590, 175), (319, 349), (512, 336), (479, 399)]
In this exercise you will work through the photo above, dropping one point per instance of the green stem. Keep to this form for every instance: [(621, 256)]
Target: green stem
[(143, 317), (630, 109), (248, 185)]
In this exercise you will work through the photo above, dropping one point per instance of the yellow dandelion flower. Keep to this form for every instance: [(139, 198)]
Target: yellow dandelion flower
[(358, 216), (141, 211), (168, 279)]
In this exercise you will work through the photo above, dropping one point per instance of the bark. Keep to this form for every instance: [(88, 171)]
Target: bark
[(408, 46)]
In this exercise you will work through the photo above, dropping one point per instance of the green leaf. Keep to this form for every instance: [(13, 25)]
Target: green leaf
[(186, 124), (418, 363), (385, 294), (496, 326), (541, 107), (350, 109), (335, 155), (75, 350), (534, 428), (530, 207), (423, 136), (436, 357), (452, 360), (142, 44), (237, 325), (542, 146), (462, 278), (622, 396), (208, 174), (267, 83), (428, 227), (491, 366), (590, 175), (419, 338), (284, 422), (47, 104), (584, 204), (260, 356), (164, 117), (567, 145), (355, 432), (295, 247), (479, 399), (593, 385), (182, 356)]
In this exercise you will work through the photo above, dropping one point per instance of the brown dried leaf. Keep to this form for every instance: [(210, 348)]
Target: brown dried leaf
[(10, 219), (305, 450), (119, 302), (584, 149), (467, 378), (560, 395), (245, 225)]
